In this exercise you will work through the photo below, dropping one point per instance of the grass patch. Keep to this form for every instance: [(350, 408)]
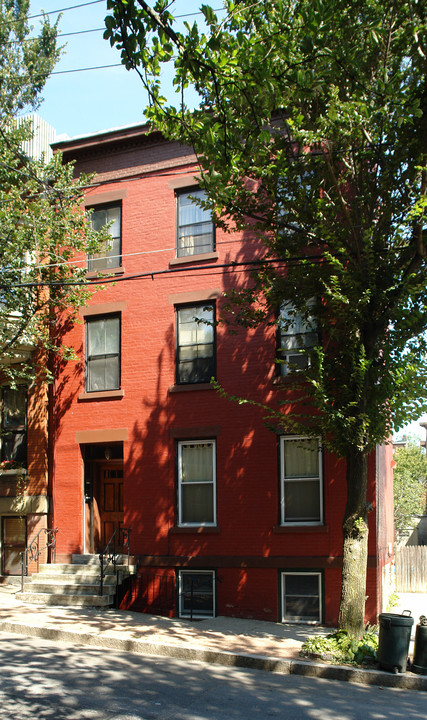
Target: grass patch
[(342, 647)]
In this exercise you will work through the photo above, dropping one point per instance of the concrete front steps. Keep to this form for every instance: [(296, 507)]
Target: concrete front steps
[(74, 584)]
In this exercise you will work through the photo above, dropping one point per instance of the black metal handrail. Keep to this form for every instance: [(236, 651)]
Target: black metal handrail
[(118, 544), (33, 551)]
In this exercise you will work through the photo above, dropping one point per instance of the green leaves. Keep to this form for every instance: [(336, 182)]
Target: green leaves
[(41, 224), (324, 100), (410, 488)]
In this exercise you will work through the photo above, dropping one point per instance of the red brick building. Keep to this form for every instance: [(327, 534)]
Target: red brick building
[(226, 516), (24, 477)]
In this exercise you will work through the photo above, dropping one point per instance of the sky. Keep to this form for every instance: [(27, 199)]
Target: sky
[(78, 100)]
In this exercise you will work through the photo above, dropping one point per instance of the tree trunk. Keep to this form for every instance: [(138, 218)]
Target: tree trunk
[(355, 546)]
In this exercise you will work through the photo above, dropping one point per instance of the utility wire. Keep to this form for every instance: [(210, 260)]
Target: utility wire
[(62, 10), (80, 32), (76, 263), (96, 2), (168, 271), (76, 70)]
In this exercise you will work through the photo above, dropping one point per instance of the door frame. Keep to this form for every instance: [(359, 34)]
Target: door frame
[(94, 456)]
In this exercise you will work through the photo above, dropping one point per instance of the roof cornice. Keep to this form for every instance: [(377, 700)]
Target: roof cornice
[(109, 142)]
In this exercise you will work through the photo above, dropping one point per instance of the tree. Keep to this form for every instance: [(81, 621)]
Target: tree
[(311, 134), (41, 224), (410, 487)]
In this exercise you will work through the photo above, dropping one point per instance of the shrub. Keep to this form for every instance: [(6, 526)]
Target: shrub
[(342, 647)]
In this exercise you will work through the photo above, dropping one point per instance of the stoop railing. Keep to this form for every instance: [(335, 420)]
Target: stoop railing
[(118, 544), (33, 551)]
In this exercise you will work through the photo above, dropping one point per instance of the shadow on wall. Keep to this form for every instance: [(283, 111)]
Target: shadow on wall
[(71, 373), (245, 366)]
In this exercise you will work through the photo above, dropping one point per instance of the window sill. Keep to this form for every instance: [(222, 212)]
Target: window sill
[(288, 379), (101, 395), (202, 257), (300, 529), (190, 387), (14, 471), (289, 621), (99, 274), (195, 529)]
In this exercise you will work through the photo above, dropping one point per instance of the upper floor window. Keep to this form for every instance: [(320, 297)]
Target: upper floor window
[(195, 353), (195, 231), (196, 482), (14, 426), (109, 256), (301, 480), (294, 201), (297, 335), (103, 353)]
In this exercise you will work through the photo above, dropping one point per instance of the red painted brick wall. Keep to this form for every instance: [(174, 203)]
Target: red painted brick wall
[(247, 548)]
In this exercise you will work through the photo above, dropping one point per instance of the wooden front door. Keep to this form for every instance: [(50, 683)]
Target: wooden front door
[(14, 540), (110, 500)]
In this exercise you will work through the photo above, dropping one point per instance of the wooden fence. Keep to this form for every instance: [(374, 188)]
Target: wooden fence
[(411, 568)]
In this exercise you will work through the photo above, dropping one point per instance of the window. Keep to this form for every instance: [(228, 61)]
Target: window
[(103, 353), (14, 426), (297, 335), (301, 480), (301, 597), (196, 593), (109, 256), (195, 361), (295, 201), (195, 232), (196, 483)]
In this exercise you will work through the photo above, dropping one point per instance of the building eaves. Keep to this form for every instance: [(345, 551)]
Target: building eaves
[(108, 141)]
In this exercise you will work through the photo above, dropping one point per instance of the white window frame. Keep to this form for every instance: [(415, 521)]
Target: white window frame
[(302, 620), (302, 479), (181, 611), (91, 320), (108, 258), (204, 219), (301, 342), (197, 327), (181, 521), (283, 194)]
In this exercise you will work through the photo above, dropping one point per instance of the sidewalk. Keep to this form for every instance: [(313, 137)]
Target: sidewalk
[(227, 641)]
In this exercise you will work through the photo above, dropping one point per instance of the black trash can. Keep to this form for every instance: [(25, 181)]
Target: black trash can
[(419, 664), (394, 639)]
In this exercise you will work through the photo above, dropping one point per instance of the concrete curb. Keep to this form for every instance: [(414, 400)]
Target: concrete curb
[(407, 681)]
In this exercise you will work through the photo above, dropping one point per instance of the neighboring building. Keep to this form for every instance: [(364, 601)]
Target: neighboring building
[(24, 501), (400, 443), (226, 517), (43, 136), (24, 448)]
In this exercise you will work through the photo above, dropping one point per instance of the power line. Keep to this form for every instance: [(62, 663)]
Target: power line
[(153, 273), (80, 32), (76, 70), (76, 263), (62, 10), (96, 2)]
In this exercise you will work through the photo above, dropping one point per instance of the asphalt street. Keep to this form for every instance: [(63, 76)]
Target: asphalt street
[(45, 680)]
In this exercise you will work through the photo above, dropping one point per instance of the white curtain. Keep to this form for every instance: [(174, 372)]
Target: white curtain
[(301, 458), (197, 463)]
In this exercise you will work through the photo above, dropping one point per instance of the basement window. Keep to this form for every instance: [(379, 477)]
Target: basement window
[(301, 597), (196, 594)]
